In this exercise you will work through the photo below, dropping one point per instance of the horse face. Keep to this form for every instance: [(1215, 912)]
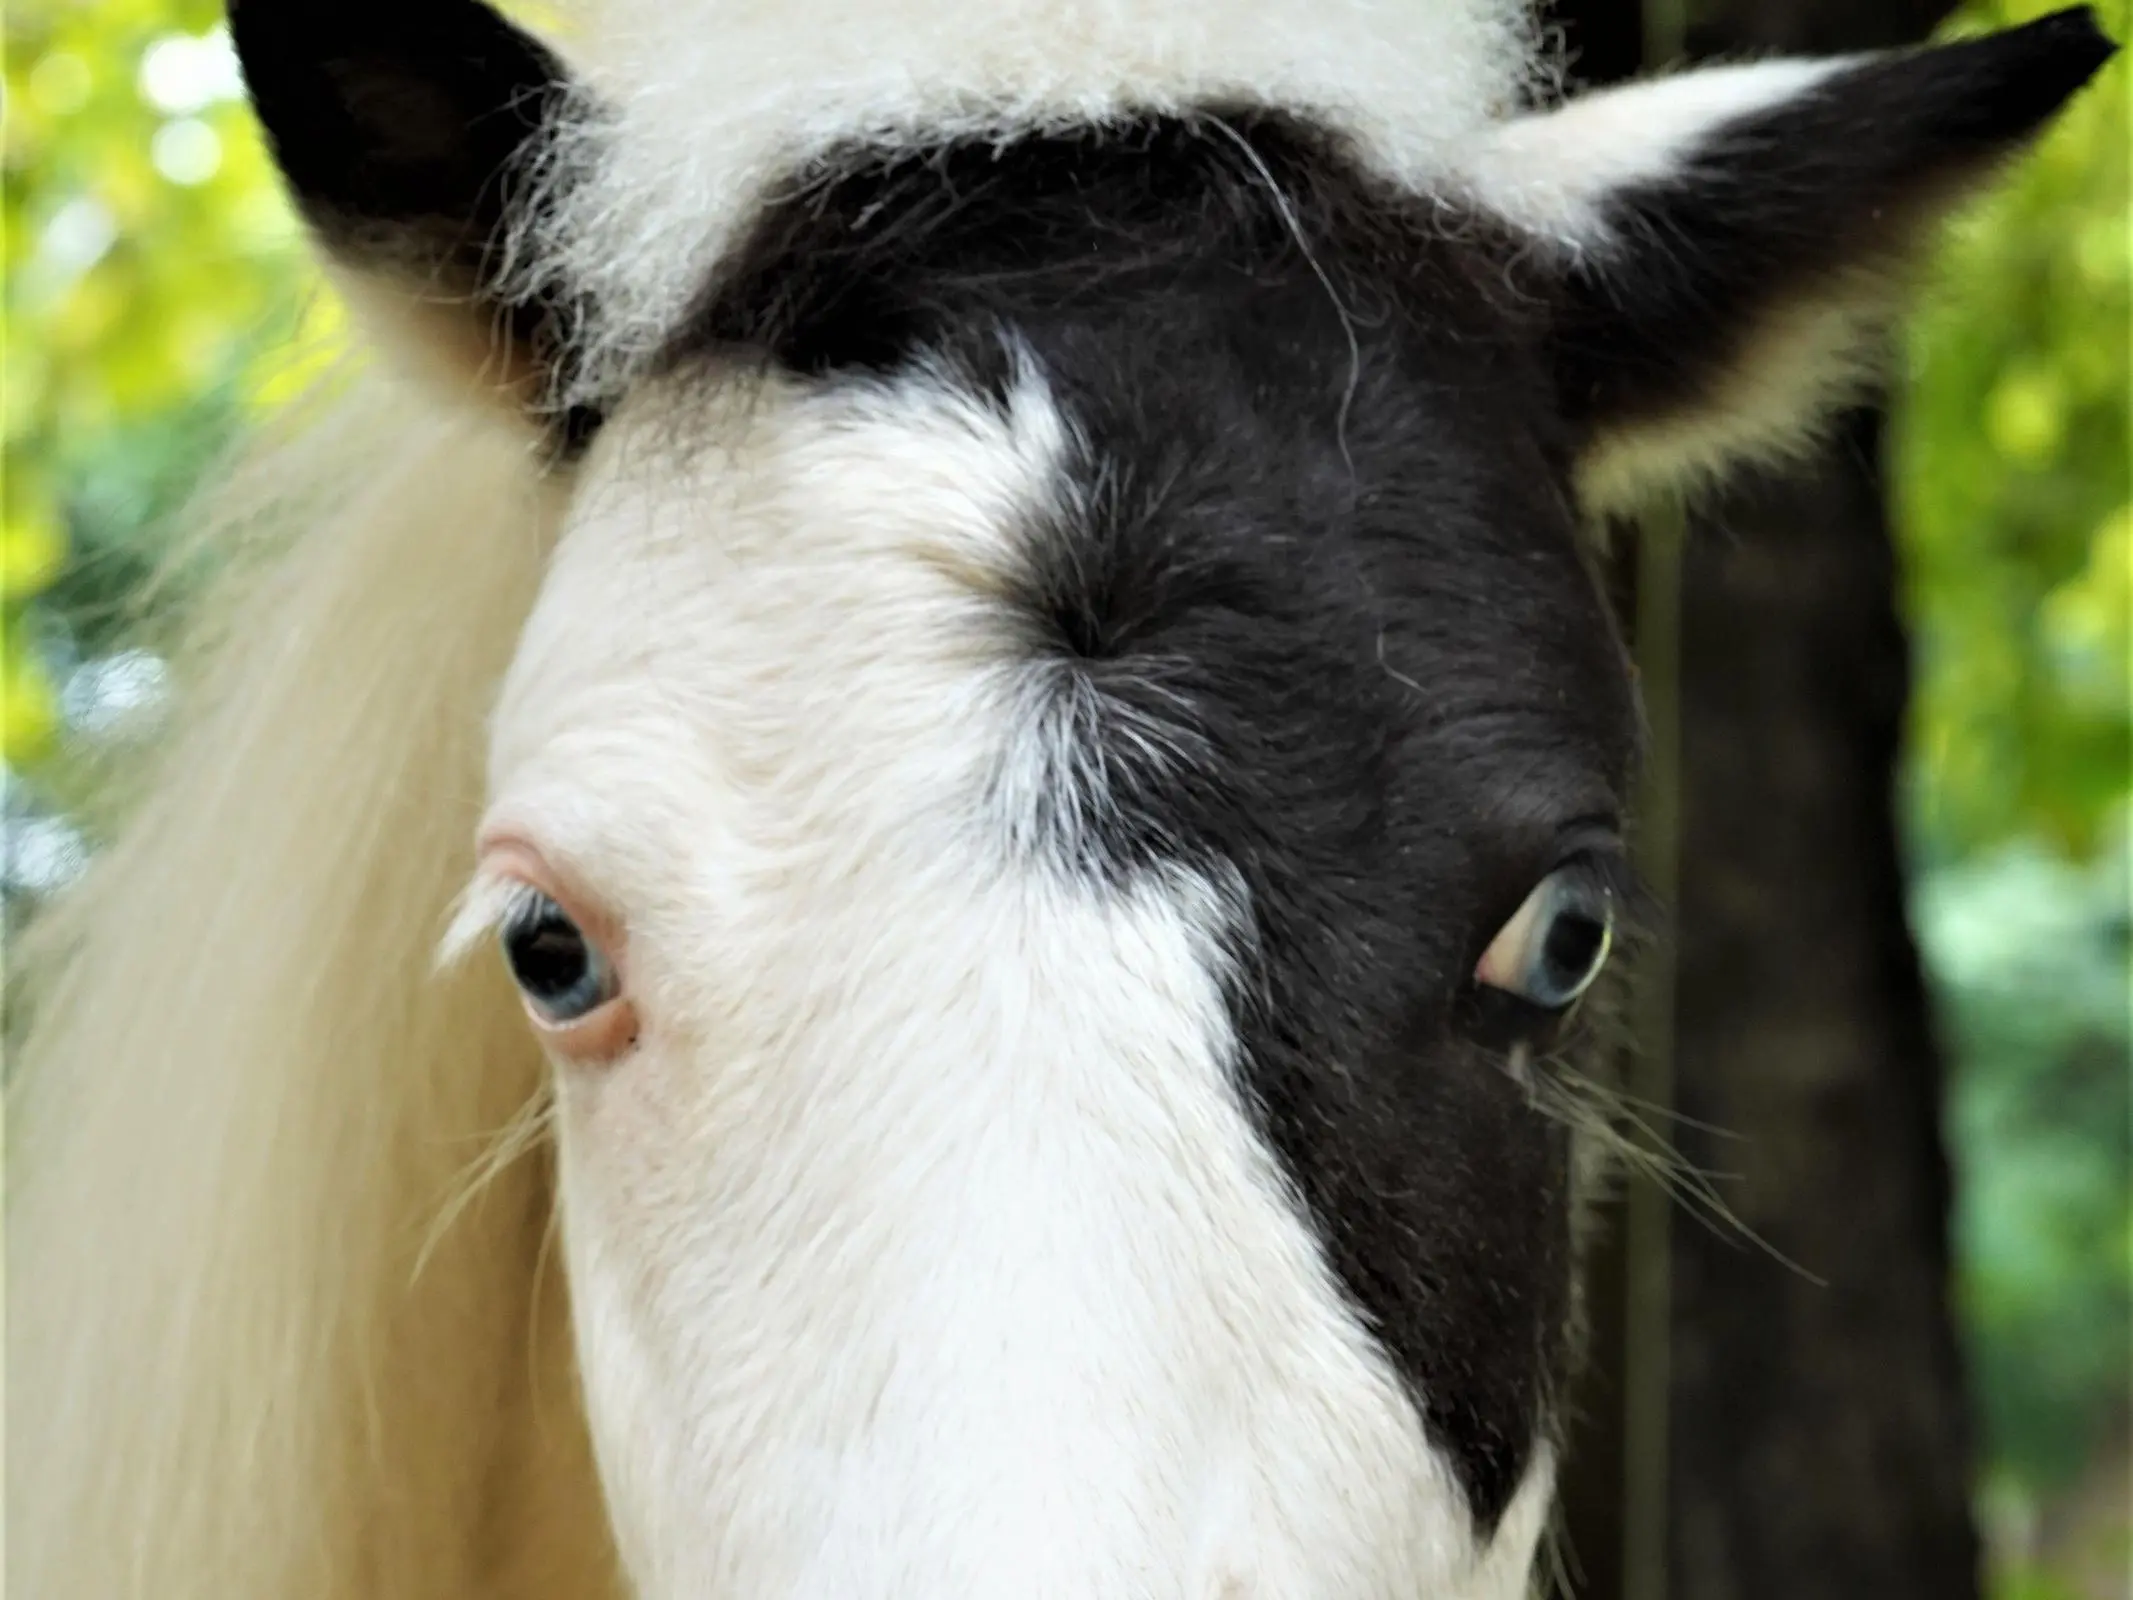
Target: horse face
[(1058, 786), (1056, 1128), (1068, 764)]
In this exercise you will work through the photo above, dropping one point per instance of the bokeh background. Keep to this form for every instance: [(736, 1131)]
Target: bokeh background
[(158, 301)]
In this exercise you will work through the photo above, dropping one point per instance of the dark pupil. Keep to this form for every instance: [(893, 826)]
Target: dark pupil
[(548, 955), (1572, 946)]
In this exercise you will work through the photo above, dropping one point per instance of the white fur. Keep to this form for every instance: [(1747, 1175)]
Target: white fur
[(705, 104), (923, 1246)]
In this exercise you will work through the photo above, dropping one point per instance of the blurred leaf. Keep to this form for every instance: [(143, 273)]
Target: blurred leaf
[(152, 261), (2011, 458)]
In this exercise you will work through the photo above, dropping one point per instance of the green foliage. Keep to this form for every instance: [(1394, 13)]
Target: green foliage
[(153, 281), (2011, 477), (2011, 480), (2030, 954)]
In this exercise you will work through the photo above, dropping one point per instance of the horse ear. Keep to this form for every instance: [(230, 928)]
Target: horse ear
[(1719, 248), (412, 134)]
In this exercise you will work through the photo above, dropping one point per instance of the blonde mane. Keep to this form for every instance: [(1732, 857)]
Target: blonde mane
[(228, 1377)]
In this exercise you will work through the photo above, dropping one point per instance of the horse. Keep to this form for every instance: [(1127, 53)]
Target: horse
[(993, 604)]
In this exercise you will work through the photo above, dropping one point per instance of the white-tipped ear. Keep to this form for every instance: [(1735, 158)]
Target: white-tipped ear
[(1722, 249), (413, 135)]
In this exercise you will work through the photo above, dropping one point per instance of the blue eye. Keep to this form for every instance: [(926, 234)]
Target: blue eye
[(1555, 944), (563, 975)]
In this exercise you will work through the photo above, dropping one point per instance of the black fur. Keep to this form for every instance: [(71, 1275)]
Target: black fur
[(1323, 631)]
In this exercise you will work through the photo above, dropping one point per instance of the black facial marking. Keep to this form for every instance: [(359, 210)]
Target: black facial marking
[(1318, 626), (1774, 206), (409, 132)]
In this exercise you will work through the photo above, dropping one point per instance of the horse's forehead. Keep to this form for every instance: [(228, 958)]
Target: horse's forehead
[(1042, 590), (1074, 459), (701, 116)]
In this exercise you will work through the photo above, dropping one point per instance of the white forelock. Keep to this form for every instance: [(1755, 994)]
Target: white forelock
[(701, 105)]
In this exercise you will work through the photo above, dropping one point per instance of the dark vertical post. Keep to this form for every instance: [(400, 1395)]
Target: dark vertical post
[(1647, 1380), (1813, 1435), (1820, 1430), (1820, 1436), (1613, 1520)]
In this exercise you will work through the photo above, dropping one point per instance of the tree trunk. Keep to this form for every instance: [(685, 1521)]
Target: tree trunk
[(1817, 1435)]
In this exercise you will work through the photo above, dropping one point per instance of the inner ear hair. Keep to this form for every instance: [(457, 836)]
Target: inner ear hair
[(1722, 303), (415, 137)]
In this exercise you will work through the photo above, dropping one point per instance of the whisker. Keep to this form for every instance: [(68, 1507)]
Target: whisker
[(1633, 1145), (527, 1128), (1325, 279)]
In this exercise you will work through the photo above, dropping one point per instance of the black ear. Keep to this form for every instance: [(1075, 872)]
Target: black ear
[(411, 133), (1722, 248)]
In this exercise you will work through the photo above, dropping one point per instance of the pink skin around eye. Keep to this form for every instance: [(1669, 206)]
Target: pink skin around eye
[(602, 1035), (1502, 962)]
